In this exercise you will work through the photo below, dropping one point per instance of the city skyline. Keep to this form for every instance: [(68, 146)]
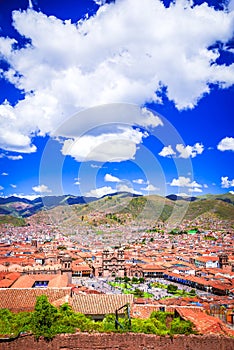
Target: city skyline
[(103, 96)]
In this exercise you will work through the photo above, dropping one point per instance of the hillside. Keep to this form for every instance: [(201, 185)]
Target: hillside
[(123, 209), (22, 207), (11, 220), (120, 208)]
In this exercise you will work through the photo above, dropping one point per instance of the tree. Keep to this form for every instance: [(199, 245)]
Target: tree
[(179, 326), (192, 292), (138, 293), (171, 288), (126, 279), (135, 280), (44, 317)]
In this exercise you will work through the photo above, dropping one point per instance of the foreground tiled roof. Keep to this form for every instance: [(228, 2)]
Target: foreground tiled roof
[(100, 304), (24, 299), (204, 323)]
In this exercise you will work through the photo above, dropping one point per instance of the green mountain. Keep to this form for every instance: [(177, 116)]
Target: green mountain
[(123, 208)]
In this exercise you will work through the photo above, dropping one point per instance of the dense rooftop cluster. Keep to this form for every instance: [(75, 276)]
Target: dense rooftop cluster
[(40, 259)]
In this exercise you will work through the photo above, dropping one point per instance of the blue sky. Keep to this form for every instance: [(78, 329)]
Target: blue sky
[(105, 96)]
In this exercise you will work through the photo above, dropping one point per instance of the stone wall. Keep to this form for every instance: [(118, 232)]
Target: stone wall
[(116, 341)]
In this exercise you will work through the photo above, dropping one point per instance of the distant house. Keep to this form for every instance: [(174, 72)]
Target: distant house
[(205, 261)]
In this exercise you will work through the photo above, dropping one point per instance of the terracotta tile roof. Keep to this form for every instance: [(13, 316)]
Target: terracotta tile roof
[(27, 281), (7, 279), (100, 304), (204, 323), (63, 300), (81, 267), (18, 299), (59, 281), (206, 258), (6, 283), (152, 267), (13, 276)]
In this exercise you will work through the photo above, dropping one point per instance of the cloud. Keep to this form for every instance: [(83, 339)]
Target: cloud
[(183, 151), (3, 155), (167, 151), (100, 192), (21, 195), (41, 189), (226, 144), (205, 186), (94, 166), (140, 182), (149, 119), (1, 188), (195, 189), (232, 192), (123, 53), (4, 174), (15, 157), (108, 147), (226, 183), (77, 182), (111, 178), (127, 188), (150, 188), (189, 151), (13, 186), (185, 182), (184, 194), (100, 2)]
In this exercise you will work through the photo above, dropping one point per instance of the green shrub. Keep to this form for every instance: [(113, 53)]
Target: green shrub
[(179, 326)]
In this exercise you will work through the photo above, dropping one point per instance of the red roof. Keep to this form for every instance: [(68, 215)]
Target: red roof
[(204, 323)]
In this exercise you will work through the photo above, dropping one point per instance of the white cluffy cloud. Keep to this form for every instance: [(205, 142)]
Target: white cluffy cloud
[(226, 144), (108, 147), (15, 157), (111, 178), (126, 188), (195, 189), (11, 157), (123, 53), (167, 151), (4, 174), (189, 151), (150, 188), (21, 195), (41, 189), (100, 192), (183, 151), (183, 181), (77, 181), (226, 183), (140, 182)]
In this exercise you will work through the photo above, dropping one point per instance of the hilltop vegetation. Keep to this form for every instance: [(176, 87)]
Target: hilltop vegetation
[(11, 220), (123, 209)]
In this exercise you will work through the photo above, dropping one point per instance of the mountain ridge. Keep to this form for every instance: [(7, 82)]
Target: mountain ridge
[(126, 203)]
